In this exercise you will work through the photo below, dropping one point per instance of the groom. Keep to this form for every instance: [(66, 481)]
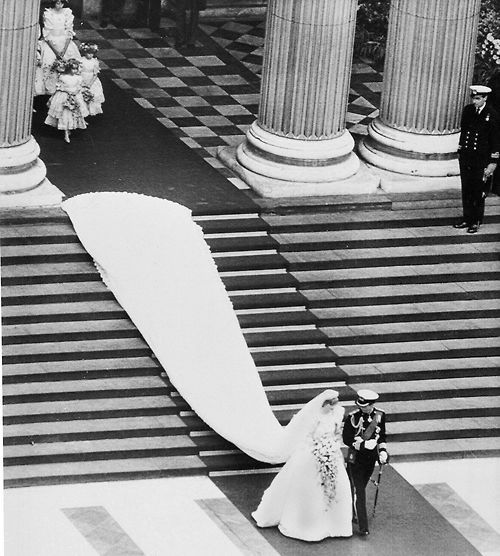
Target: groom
[(364, 434)]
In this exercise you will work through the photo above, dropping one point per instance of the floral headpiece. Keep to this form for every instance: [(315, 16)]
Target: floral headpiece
[(63, 66), (88, 47)]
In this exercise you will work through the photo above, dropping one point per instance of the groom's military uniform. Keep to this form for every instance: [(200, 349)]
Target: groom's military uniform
[(364, 434)]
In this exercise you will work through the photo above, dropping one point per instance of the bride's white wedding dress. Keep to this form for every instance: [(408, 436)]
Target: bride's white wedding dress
[(297, 502)]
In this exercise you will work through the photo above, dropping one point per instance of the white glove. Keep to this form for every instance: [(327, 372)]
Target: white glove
[(370, 444), (383, 457), (357, 442)]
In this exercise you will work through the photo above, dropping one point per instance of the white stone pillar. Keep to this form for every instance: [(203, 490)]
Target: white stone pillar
[(20, 168), (428, 68), (299, 144)]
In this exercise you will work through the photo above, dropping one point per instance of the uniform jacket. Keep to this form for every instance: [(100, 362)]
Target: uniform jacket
[(355, 424), (480, 135)]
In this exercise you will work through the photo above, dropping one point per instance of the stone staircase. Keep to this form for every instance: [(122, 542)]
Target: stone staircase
[(387, 296)]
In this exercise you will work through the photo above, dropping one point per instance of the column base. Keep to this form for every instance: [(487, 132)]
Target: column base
[(393, 182), (412, 154), (44, 195), (363, 181), (20, 167)]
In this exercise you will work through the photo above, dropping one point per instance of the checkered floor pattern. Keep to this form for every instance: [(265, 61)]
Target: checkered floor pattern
[(208, 95)]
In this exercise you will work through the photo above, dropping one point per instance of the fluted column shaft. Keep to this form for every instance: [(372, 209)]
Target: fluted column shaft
[(18, 36), (299, 145), (428, 68), (307, 67), (20, 168), (430, 59)]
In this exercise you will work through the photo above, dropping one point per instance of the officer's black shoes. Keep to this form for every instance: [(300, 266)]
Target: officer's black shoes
[(364, 532), (460, 224), (473, 229)]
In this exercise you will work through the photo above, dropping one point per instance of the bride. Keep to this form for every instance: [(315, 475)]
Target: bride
[(310, 498)]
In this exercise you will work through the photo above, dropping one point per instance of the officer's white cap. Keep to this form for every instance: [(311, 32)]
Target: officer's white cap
[(479, 90), (366, 397)]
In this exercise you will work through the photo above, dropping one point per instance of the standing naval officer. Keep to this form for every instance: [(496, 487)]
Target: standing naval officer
[(478, 154), (364, 434)]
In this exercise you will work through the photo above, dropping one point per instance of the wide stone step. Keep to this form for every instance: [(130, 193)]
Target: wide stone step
[(68, 431), (27, 232), (296, 335), (81, 389), (49, 273), (252, 281), (50, 332), (245, 242), (407, 312), (442, 408), (411, 351), (282, 297), (50, 290), (77, 366), (379, 238), (272, 316), (94, 450), (53, 312), (103, 470), (41, 250), (391, 256), (231, 223), (101, 408), (131, 383), (433, 429), (280, 375), (416, 293), (412, 331), (370, 220), (394, 275), (294, 355), (435, 388), (445, 449), (422, 369), (68, 350), (250, 261)]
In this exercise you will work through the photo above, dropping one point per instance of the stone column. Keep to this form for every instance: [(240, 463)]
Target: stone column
[(299, 144), (428, 68), (20, 168)]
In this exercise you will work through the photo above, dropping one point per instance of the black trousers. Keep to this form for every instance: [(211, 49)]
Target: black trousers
[(359, 475), (187, 15), (473, 189)]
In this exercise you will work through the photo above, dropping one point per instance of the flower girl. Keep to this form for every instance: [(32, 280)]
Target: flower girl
[(67, 109), (92, 87)]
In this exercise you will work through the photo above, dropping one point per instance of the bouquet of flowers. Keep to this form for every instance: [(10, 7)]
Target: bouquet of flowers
[(70, 103), (59, 66), (87, 95), (324, 451)]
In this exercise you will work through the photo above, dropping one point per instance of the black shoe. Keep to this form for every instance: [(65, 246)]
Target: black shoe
[(364, 532), (460, 224), (472, 229)]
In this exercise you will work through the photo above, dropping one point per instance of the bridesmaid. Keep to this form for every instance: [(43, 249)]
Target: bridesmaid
[(56, 44)]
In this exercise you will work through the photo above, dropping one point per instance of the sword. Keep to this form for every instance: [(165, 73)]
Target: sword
[(377, 485)]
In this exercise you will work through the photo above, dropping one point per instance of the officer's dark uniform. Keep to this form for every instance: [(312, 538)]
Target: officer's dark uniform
[(494, 102), (361, 470), (479, 145)]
